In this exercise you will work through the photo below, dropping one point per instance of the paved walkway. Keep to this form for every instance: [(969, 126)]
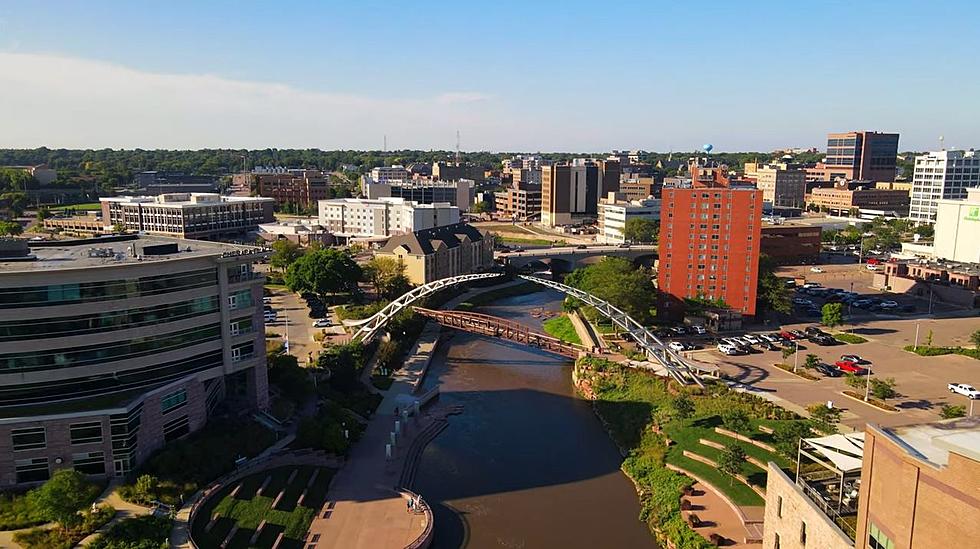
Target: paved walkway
[(124, 510), (718, 517)]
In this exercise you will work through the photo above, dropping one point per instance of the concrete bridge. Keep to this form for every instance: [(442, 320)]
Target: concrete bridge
[(566, 258)]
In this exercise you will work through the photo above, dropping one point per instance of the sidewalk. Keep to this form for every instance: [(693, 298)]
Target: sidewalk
[(124, 510)]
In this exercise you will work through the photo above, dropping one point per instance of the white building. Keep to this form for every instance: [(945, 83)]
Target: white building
[(362, 217), (613, 216), (187, 215), (385, 174), (941, 175), (958, 228), (460, 193)]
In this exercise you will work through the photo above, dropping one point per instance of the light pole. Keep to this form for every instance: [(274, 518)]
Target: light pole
[(915, 346), (930, 298), (796, 355), (867, 384)]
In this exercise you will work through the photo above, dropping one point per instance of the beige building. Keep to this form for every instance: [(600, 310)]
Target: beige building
[(794, 521), (841, 199), (440, 252), (187, 215), (921, 486), (894, 186), (781, 186)]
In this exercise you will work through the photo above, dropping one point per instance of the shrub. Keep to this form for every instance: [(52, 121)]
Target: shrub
[(16, 512), (950, 411), (883, 388), (736, 419), (825, 419), (849, 338), (145, 532)]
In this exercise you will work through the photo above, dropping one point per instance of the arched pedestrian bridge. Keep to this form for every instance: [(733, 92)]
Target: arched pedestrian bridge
[(655, 350), (567, 258)]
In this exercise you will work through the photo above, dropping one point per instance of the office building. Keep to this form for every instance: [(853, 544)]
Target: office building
[(461, 193), (362, 217), (640, 187), (920, 486), (958, 228), (441, 252), (384, 174), (112, 347), (187, 215), (709, 243), (519, 201), (864, 155), (571, 191), (298, 188), (41, 173), (941, 175), (862, 199), (789, 244), (451, 171), (615, 212), (781, 185)]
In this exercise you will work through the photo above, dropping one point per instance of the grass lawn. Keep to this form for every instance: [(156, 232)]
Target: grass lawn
[(247, 510), (849, 338), (562, 328)]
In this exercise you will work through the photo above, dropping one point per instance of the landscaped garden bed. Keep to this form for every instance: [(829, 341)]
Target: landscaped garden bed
[(872, 401), (800, 372), (845, 337), (926, 350)]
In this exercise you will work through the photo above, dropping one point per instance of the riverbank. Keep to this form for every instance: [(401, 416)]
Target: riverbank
[(659, 425)]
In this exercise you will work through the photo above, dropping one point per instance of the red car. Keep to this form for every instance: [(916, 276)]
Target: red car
[(787, 335), (850, 367)]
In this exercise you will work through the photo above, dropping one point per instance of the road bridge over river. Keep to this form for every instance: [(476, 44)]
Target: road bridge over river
[(566, 258)]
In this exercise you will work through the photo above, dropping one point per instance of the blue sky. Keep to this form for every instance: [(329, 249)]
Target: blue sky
[(570, 75)]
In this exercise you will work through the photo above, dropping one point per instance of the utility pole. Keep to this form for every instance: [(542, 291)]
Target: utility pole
[(867, 384), (796, 355), (915, 346)]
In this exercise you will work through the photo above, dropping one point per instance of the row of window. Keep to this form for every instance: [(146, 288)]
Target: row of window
[(38, 469), (35, 438), (94, 354), (83, 292), (36, 328)]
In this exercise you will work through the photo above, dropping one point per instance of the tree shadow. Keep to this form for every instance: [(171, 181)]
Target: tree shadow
[(919, 404), (748, 374), (873, 331)]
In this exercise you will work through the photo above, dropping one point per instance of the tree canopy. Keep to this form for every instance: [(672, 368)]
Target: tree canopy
[(323, 272), (832, 314), (641, 230), (771, 291), (284, 253), (61, 498), (387, 275), (618, 282)]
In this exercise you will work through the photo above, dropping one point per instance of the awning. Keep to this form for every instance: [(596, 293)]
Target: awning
[(844, 451)]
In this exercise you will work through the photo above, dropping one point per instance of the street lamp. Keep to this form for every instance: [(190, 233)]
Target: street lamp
[(867, 384), (796, 355)]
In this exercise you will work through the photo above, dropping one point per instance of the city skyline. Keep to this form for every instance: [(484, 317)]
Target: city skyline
[(507, 77)]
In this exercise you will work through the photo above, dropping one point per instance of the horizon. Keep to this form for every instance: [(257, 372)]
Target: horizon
[(562, 77)]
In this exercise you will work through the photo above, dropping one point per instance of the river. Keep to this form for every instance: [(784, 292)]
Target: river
[(527, 464)]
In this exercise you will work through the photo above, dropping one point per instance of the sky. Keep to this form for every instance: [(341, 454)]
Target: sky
[(507, 75)]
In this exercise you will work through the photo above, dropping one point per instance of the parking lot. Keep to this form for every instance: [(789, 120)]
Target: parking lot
[(920, 381)]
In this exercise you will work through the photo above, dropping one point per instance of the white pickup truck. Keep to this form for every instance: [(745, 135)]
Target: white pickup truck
[(966, 390)]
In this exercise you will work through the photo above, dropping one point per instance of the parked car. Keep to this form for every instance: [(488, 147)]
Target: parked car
[(823, 340), (271, 316), (770, 338), (827, 370), (752, 338), (814, 331), (699, 330), (855, 359), (729, 350), (322, 323), (816, 270), (267, 301), (679, 330), (850, 367), (769, 346), (888, 304), (965, 390), (809, 285), (872, 267), (788, 335)]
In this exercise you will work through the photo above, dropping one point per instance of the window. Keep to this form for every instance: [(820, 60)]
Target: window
[(89, 463), (174, 429), (776, 542), (85, 433), (32, 470), (803, 534), (877, 539), (28, 438), (173, 401), (779, 506)]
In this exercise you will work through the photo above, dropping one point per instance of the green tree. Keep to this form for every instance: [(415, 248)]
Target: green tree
[(925, 231), (788, 352), (61, 498), (10, 228), (323, 272), (43, 213), (787, 434), (617, 281), (731, 459), (883, 388), (771, 290), (481, 207), (736, 420), (641, 230), (812, 361), (388, 354), (387, 275), (832, 314), (824, 418), (929, 339), (683, 407), (950, 411), (975, 339), (284, 253)]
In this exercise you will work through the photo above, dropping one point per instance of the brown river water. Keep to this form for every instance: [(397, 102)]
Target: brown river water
[(527, 464)]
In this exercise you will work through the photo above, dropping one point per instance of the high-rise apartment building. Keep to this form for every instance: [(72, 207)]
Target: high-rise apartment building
[(782, 186), (111, 347), (941, 175), (571, 190), (709, 243), (864, 155), (520, 200)]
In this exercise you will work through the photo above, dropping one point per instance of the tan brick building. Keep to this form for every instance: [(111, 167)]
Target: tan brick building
[(841, 199), (920, 486), (440, 252), (794, 521)]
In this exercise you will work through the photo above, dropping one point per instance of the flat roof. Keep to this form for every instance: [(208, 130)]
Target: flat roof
[(934, 441), (75, 254), (193, 200)]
